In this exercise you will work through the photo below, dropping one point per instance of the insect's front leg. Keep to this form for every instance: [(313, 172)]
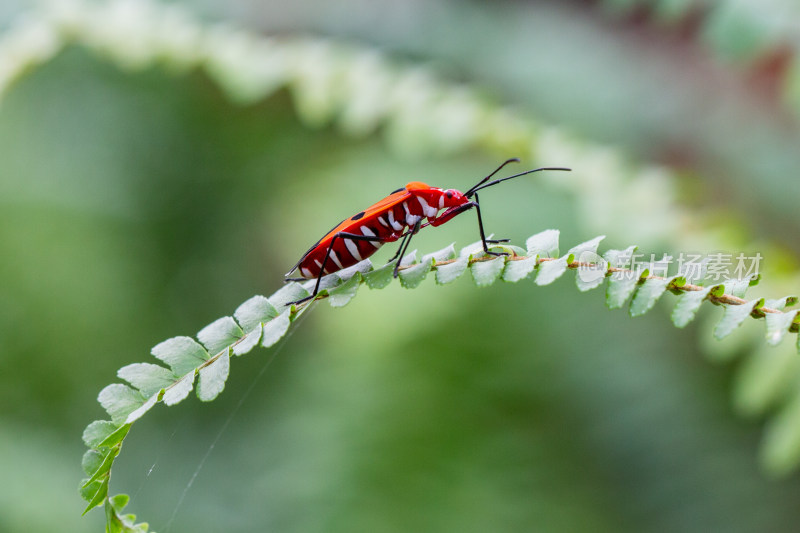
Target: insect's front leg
[(450, 213), (404, 246), (484, 240)]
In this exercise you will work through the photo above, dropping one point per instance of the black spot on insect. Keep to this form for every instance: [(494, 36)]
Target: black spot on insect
[(449, 194), (398, 190), (358, 216)]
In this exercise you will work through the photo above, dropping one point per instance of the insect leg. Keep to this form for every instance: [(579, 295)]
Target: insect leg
[(483, 234), (404, 246), (400, 248), (340, 235), (406, 236)]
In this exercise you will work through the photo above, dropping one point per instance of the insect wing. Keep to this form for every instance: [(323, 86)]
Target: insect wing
[(347, 224)]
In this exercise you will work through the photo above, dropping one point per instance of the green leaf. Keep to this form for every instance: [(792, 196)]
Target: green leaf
[(448, 252), (778, 325), (411, 277), (362, 267), (220, 334), (688, 304), (147, 377), (290, 292), (486, 272), (341, 295), (543, 244), (180, 390), (254, 311), (409, 259), (510, 249), (451, 271), (589, 277), (248, 342), (781, 303), (211, 379), (88, 492), (380, 277), (589, 248), (182, 354), (97, 431), (90, 462), (115, 436), (733, 316), (326, 283), (121, 523), (146, 406), (119, 501), (105, 465), (119, 401), (516, 270), (738, 287), (620, 287), (98, 492), (549, 271), (619, 258), (472, 250), (275, 329), (648, 294)]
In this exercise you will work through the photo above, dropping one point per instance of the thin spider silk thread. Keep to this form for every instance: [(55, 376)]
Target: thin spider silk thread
[(163, 448), (227, 422)]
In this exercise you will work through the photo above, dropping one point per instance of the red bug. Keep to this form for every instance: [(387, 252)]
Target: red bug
[(398, 216)]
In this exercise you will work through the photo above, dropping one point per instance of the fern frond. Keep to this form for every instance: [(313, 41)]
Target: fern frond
[(264, 321)]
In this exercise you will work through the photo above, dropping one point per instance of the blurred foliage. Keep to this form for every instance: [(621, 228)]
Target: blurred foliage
[(138, 205)]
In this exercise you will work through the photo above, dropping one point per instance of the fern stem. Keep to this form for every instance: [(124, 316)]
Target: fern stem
[(722, 299)]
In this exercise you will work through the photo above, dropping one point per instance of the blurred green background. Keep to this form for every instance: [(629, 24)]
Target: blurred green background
[(140, 204)]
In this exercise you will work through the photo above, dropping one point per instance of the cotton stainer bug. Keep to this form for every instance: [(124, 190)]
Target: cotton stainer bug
[(398, 216)]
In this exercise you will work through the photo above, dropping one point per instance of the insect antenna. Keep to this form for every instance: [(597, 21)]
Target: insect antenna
[(484, 180), (482, 184)]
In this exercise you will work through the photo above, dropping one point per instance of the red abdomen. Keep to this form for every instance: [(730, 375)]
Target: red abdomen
[(387, 224), (344, 253)]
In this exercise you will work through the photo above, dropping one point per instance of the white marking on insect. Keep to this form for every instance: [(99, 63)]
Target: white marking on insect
[(306, 273), (412, 219), (429, 211), (383, 222), (395, 224), (353, 249), (319, 265), (335, 259), (441, 201), (369, 233)]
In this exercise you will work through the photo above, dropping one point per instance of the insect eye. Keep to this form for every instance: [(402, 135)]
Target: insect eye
[(449, 194)]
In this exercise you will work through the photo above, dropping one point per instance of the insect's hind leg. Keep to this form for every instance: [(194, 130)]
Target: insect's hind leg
[(340, 235)]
